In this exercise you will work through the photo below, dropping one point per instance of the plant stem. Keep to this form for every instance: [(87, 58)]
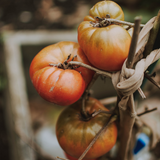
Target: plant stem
[(111, 120), (126, 126), (122, 22), (104, 73), (126, 120), (83, 111), (101, 111), (133, 46), (152, 36), (147, 111), (130, 62), (151, 80), (86, 94)]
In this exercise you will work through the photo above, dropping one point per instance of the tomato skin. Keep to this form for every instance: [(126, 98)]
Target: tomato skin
[(102, 8), (74, 134), (56, 85), (72, 158), (105, 47)]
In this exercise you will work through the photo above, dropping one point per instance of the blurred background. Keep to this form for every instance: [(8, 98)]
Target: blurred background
[(52, 15), (63, 14)]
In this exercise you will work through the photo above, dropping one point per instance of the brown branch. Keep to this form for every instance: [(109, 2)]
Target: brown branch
[(108, 21), (126, 126), (83, 111), (122, 22), (147, 111), (152, 36), (129, 63), (90, 84), (151, 80), (112, 118), (126, 120), (86, 94), (104, 73), (98, 72)]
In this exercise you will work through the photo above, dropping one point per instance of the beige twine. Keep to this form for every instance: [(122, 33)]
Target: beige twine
[(127, 81)]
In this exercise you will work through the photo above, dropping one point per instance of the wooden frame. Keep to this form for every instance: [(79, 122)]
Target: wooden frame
[(17, 107)]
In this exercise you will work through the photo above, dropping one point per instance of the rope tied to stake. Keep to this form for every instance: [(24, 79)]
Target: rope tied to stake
[(127, 81)]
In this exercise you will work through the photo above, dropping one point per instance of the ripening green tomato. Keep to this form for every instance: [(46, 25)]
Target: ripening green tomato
[(74, 132), (103, 8), (56, 84)]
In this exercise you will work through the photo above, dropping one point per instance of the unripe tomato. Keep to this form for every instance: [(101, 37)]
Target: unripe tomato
[(62, 86), (106, 47), (103, 8), (74, 132)]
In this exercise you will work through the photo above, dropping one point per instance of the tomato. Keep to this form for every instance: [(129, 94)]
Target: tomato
[(62, 86), (106, 47), (74, 132), (103, 8), (72, 158)]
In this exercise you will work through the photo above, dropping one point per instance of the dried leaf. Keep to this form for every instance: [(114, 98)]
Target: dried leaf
[(152, 57), (143, 38)]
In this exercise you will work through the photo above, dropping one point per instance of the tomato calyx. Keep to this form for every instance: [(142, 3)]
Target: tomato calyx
[(106, 21), (101, 22), (89, 116), (84, 117), (65, 64)]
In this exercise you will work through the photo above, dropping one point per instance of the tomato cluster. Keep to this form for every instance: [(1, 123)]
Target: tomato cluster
[(101, 44)]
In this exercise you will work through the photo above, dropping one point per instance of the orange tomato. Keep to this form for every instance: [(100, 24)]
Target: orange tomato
[(55, 84), (106, 47), (103, 8)]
